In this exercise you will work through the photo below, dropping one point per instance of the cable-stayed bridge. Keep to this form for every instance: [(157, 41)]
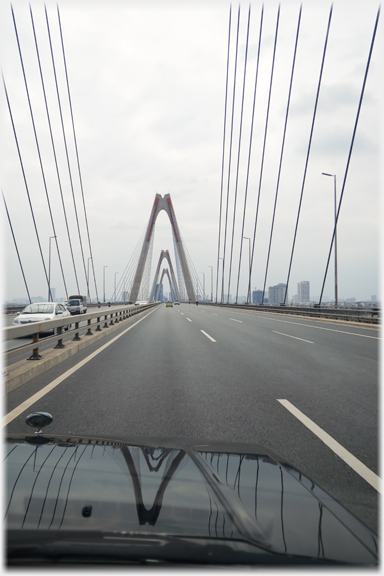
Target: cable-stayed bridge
[(304, 382)]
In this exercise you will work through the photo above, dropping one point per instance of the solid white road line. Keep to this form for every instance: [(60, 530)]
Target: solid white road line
[(20, 409), (234, 319), (189, 319), (295, 337), (208, 336), (320, 327), (353, 462)]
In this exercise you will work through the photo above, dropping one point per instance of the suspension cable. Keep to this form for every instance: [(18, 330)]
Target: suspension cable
[(350, 151), (18, 255), (222, 160), (249, 151), (263, 153), (38, 149), (281, 154), (66, 148), (26, 187), (230, 151), (77, 153), (308, 151), (238, 153)]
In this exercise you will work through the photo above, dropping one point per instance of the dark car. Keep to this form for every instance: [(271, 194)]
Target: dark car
[(169, 501)]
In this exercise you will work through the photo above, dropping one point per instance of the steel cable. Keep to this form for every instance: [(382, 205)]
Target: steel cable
[(308, 151), (263, 153), (222, 160), (230, 153), (66, 147), (350, 151), (54, 153), (77, 153), (17, 250), (27, 190), (38, 149), (249, 150), (282, 152), (238, 153)]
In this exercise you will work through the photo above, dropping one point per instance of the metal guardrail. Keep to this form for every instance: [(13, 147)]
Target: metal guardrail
[(363, 315), (104, 319)]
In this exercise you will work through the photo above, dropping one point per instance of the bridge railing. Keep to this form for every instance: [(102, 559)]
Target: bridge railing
[(364, 315), (104, 319)]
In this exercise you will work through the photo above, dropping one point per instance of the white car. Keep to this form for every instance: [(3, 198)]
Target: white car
[(41, 311)]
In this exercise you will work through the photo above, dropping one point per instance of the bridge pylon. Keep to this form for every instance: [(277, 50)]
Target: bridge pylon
[(172, 281), (162, 203)]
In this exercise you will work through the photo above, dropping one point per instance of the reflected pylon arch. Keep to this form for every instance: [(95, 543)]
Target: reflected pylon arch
[(172, 281), (162, 203)]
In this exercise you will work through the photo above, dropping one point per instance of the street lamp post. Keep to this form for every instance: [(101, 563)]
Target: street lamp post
[(334, 187), (222, 295), (115, 285), (249, 250), (89, 295), (211, 267), (104, 281), (203, 286), (49, 269)]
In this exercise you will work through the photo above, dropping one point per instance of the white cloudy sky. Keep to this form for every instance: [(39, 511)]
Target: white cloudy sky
[(147, 85)]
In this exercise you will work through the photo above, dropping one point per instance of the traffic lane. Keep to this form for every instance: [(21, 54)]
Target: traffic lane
[(166, 378), (22, 393), (369, 330), (360, 342), (317, 394), (322, 377)]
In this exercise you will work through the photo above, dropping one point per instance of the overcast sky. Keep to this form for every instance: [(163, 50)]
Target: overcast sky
[(147, 84)]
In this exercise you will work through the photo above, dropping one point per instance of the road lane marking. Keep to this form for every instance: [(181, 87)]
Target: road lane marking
[(213, 314), (234, 319), (321, 328), (208, 336), (24, 405), (189, 319), (182, 313), (348, 458), (295, 337)]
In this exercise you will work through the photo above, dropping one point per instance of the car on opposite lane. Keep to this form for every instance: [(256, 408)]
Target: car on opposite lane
[(41, 311)]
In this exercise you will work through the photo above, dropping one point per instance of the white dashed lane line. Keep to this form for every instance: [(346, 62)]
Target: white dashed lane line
[(295, 337), (351, 460), (189, 319), (234, 319), (208, 336)]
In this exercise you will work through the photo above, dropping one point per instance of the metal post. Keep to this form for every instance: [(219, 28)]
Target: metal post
[(334, 187), (35, 352), (211, 267), (249, 249), (115, 285), (203, 286), (104, 281), (89, 296), (49, 269), (220, 258)]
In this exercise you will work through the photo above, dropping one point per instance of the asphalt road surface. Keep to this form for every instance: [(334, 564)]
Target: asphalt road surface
[(221, 374)]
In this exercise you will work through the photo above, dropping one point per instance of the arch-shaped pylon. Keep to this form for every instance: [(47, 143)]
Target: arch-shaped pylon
[(165, 272), (153, 296), (162, 203)]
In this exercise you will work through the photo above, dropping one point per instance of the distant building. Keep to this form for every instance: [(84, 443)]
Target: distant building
[(257, 296), (161, 293), (374, 298), (303, 292), (295, 299), (276, 294), (37, 299), (351, 300)]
